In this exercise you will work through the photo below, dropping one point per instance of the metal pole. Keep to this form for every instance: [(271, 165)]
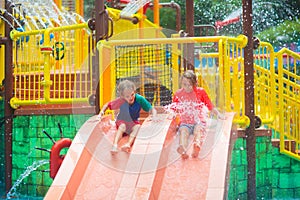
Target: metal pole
[(100, 32), (190, 30), (249, 99), (8, 111)]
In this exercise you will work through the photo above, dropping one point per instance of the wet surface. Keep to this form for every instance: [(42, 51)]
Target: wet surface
[(152, 170)]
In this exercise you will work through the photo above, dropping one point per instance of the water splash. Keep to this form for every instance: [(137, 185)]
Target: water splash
[(266, 14), (17, 10), (57, 10), (4, 19), (41, 14), (36, 164), (82, 20), (212, 132), (132, 7), (15, 20), (191, 110), (234, 14)]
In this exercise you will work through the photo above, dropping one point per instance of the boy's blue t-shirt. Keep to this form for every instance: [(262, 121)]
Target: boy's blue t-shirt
[(130, 112)]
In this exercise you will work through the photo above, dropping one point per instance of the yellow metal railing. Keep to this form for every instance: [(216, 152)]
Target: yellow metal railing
[(288, 99), (213, 74), (277, 86), (52, 66), (264, 82)]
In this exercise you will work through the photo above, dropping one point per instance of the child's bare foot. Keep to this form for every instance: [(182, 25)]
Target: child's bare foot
[(196, 149), (182, 152), (114, 150), (126, 148)]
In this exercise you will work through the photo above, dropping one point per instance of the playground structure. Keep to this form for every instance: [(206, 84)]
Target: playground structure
[(57, 65)]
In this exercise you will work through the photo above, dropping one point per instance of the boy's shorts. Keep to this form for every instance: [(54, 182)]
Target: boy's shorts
[(129, 125)]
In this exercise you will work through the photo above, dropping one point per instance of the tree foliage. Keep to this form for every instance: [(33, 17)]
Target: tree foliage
[(266, 14), (287, 32), (271, 19)]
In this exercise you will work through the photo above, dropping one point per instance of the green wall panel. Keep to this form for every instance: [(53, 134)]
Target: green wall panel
[(277, 176), (27, 135)]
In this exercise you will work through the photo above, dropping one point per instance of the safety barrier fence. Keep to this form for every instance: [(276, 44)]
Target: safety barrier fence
[(218, 67), (288, 102), (54, 66), (277, 86)]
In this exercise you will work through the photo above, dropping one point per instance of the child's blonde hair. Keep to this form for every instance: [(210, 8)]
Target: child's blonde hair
[(124, 85), (191, 76)]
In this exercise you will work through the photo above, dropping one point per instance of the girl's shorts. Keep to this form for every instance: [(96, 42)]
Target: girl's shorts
[(191, 127)]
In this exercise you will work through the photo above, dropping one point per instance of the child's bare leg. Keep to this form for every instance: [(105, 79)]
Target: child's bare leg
[(133, 134), (118, 136), (198, 139), (183, 142)]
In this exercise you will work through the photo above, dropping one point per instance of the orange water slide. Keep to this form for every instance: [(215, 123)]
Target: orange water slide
[(152, 170)]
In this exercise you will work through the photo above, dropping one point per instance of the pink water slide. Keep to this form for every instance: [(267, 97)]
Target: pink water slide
[(152, 170)]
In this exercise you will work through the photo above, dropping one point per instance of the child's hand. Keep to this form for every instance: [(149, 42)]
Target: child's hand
[(221, 116), (153, 115), (154, 118), (171, 116), (153, 112), (218, 114)]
